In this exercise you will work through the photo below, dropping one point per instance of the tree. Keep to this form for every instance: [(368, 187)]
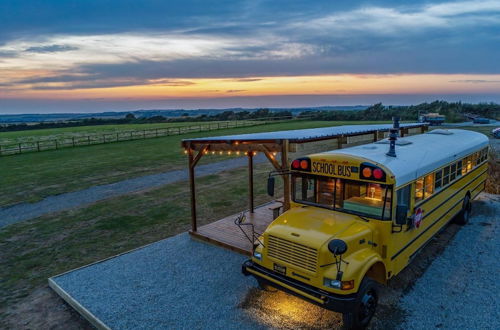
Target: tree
[(130, 116)]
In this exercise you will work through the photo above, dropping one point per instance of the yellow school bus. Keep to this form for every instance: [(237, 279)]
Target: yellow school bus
[(359, 215)]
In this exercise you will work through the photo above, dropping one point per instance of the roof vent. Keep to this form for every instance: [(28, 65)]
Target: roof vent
[(440, 131), (399, 142), (393, 136)]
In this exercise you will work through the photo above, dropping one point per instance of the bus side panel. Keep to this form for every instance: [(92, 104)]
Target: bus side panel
[(438, 211)]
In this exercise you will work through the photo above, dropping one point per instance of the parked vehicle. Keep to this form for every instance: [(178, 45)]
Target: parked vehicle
[(481, 120), (359, 215), (496, 133)]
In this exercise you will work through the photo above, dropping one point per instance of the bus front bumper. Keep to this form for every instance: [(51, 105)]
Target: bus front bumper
[(328, 300)]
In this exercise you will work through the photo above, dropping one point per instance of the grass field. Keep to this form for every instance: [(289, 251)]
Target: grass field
[(65, 132), (32, 176)]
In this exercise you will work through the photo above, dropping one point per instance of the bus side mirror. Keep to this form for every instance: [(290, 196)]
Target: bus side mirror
[(270, 186), (401, 214)]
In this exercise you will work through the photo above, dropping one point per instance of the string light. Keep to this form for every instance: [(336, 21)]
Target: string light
[(220, 153), (255, 153), (213, 152), (274, 153), (237, 152), (229, 152), (185, 151)]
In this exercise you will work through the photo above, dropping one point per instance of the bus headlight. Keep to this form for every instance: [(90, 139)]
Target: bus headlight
[(257, 255), (336, 284)]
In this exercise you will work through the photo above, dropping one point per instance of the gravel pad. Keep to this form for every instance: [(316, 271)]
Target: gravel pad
[(176, 283)]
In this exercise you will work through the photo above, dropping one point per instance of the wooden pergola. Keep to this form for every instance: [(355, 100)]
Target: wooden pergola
[(271, 144)]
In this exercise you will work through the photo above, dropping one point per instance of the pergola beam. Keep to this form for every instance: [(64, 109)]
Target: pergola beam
[(271, 159)]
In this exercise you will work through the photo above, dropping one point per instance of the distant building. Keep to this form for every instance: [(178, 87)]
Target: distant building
[(433, 118)]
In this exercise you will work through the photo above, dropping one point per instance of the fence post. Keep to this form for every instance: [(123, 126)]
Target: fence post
[(0, 150), (104, 137), (56, 144), (88, 139), (144, 134), (156, 132), (73, 140), (38, 145), (117, 137)]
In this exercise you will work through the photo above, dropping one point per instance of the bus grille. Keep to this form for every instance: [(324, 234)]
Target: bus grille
[(293, 253)]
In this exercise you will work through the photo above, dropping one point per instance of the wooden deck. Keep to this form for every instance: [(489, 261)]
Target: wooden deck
[(226, 233)]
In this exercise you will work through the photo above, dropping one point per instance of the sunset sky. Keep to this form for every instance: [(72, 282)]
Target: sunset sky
[(113, 55)]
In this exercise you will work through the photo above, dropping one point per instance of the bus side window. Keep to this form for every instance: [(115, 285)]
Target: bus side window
[(459, 168), (403, 196), (446, 175), (419, 190), (438, 180), (429, 185), (469, 163), (453, 171)]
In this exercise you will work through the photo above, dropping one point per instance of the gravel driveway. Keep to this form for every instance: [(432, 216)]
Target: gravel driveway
[(26, 211), (461, 289), (180, 283)]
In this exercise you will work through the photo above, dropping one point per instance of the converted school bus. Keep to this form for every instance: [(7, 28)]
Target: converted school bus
[(359, 215)]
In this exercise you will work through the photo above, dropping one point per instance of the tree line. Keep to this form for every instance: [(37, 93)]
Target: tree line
[(453, 111)]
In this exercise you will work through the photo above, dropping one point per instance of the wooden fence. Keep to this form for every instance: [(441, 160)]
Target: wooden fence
[(15, 148)]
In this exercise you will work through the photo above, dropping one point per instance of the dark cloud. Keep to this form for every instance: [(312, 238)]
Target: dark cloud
[(475, 81), (248, 79), (51, 49), (235, 90)]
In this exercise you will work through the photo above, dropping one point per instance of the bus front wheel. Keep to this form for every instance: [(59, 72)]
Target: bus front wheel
[(464, 215), (365, 307)]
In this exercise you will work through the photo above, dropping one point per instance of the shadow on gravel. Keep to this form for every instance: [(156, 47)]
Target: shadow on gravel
[(282, 311)]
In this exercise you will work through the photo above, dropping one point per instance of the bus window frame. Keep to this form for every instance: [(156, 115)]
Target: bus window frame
[(342, 210)]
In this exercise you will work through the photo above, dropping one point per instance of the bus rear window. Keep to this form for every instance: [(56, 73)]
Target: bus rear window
[(363, 198)]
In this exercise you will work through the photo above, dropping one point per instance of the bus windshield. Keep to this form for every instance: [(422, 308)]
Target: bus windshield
[(357, 197)]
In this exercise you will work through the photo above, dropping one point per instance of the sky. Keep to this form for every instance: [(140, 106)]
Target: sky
[(117, 55)]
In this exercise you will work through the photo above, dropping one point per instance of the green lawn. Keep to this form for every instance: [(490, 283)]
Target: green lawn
[(32, 176), (34, 250)]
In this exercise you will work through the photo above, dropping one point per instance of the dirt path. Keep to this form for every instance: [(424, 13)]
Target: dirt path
[(26, 211)]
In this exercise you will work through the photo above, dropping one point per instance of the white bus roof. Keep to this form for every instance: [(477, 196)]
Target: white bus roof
[(419, 154)]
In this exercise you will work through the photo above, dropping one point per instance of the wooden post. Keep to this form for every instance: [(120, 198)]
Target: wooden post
[(375, 136), (250, 181), (286, 177), (192, 188), (339, 142)]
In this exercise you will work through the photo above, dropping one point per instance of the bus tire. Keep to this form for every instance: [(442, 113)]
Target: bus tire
[(464, 215), (365, 306)]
